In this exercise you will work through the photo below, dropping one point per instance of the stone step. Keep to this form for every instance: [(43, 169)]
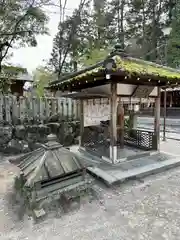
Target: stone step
[(113, 175), (148, 169), (103, 175)]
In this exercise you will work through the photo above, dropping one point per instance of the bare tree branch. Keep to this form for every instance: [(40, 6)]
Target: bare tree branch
[(17, 33), (73, 31), (64, 7), (62, 18), (2, 56)]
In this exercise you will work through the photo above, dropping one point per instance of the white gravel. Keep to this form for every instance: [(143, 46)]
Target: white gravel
[(149, 209)]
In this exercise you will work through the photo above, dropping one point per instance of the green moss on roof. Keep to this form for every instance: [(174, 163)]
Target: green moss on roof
[(91, 72), (133, 67), (144, 69)]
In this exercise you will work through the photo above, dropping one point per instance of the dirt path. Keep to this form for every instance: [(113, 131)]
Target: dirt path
[(147, 210)]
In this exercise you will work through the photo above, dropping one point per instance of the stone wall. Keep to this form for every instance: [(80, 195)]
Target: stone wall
[(24, 138)]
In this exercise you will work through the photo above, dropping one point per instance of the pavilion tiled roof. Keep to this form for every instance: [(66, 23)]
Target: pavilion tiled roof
[(127, 67)]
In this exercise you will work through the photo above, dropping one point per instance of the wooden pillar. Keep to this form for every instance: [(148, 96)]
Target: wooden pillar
[(120, 123), (81, 122), (164, 113), (171, 100), (113, 123), (157, 118)]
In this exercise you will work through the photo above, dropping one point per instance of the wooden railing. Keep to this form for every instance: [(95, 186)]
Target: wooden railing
[(97, 139), (141, 139), (19, 110)]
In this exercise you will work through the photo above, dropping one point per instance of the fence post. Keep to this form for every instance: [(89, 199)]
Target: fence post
[(21, 109), (15, 110), (8, 105), (67, 109), (1, 108), (53, 106), (31, 108), (46, 108), (34, 114), (42, 110), (72, 110), (38, 106), (62, 107)]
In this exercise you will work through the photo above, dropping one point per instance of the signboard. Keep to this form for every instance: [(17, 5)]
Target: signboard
[(96, 111), (142, 91)]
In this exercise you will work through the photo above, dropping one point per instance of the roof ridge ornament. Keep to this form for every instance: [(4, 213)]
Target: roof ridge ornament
[(52, 142)]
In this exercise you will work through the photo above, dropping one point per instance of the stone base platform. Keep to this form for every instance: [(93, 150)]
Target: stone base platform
[(140, 166)]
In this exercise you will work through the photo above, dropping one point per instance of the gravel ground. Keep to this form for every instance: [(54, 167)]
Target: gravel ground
[(147, 209)]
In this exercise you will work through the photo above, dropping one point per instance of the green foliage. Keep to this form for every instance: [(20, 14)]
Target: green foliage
[(90, 33), (20, 22), (174, 40), (69, 44), (127, 122), (13, 70), (133, 67), (41, 79), (137, 25), (94, 57), (9, 73)]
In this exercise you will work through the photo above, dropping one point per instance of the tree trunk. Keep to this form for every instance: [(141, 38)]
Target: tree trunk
[(121, 35)]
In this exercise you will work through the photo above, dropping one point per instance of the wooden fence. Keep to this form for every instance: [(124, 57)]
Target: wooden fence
[(27, 109)]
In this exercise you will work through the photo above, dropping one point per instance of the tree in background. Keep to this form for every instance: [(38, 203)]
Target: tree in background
[(41, 79), (8, 73), (66, 42), (94, 57), (20, 22), (135, 24), (173, 51)]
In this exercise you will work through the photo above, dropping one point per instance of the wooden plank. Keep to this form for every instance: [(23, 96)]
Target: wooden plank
[(50, 106), (72, 110), (50, 189), (21, 109), (78, 109), (56, 194), (47, 107), (67, 108), (41, 110), (62, 108), (54, 106), (38, 109), (15, 110), (58, 105), (1, 108), (26, 107), (33, 108), (8, 104)]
